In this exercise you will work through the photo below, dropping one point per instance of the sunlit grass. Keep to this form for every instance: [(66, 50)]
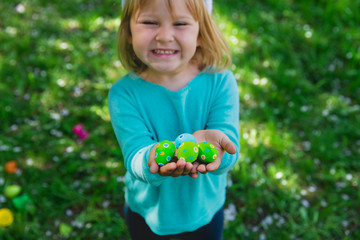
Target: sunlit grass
[(296, 64), (293, 122)]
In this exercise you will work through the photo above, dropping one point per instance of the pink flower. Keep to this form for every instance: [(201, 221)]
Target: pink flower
[(78, 128), (80, 131), (83, 135)]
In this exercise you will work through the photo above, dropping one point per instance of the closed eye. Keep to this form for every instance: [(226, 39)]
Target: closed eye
[(149, 23), (180, 24)]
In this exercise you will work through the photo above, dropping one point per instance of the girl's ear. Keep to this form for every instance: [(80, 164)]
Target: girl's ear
[(198, 41)]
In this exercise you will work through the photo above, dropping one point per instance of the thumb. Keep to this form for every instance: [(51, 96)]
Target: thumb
[(227, 145), (154, 167)]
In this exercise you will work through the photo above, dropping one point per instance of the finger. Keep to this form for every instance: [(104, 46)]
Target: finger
[(187, 168), (214, 165), (167, 169), (194, 175), (227, 145), (194, 168), (180, 165), (202, 168)]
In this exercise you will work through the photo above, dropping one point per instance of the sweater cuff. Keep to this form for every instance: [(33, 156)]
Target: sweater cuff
[(141, 161)]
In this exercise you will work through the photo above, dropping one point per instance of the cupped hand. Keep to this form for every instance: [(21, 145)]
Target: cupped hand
[(220, 141), (175, 169)]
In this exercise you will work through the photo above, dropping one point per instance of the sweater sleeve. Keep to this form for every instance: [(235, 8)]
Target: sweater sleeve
[(224, 116), (134, 137)]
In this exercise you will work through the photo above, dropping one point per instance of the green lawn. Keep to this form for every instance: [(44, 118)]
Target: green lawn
[(297, 65)]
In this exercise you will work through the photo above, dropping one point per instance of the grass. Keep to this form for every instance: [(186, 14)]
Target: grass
[(297, 69)]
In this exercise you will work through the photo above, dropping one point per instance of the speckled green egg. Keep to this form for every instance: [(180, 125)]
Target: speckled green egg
[(164, 152), (188, 151), (207, 152)]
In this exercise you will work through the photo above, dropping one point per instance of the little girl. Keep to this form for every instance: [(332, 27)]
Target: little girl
[(177, 83)]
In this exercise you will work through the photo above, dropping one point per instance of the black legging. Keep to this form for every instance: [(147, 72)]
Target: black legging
[(139, 230)]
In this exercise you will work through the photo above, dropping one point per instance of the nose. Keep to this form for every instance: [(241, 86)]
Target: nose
[(165, 34)]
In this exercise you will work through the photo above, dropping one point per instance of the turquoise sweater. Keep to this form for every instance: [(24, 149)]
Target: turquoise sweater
[(142, 114)]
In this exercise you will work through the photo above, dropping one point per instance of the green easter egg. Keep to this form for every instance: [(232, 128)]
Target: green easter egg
[(20, 202), (65, 229), (164, 152), (188, 151), (12, 191), (207, 152)]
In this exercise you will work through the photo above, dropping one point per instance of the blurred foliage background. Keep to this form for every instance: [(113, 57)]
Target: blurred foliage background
[(297, 67)]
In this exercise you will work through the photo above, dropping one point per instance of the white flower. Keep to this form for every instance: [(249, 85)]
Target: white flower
[(279, 175), (303, 192), (280, 222), (4, 148), (61, 82), (69, 212), (55, 116), (304, 108), (69, 149), (312, 189), (345, 197), (29, 162), (65, 112), (120, 179), (349, 177), (307, 145), (308, 34), (305, 203), (230, 212), (106, 203), (267, 221), (262, 236), (340, 184), (17, 149), (323, 203), (229, 182), (14, 127), (20, 8), (325, 112), (77, 224)]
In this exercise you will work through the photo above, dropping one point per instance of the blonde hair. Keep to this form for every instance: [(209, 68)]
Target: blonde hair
[(213, 53)]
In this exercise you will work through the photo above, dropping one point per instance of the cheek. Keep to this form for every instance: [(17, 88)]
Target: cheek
[(138, 41), (194, 39), (137, 49), (141, 38), (194, 42)]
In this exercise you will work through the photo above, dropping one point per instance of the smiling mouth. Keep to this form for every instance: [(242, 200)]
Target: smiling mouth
[(164, 52)]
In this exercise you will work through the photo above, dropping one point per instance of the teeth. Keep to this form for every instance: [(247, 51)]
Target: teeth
[(164, 52)]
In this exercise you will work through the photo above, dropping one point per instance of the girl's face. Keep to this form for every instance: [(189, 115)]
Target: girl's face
[(163, 41)]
